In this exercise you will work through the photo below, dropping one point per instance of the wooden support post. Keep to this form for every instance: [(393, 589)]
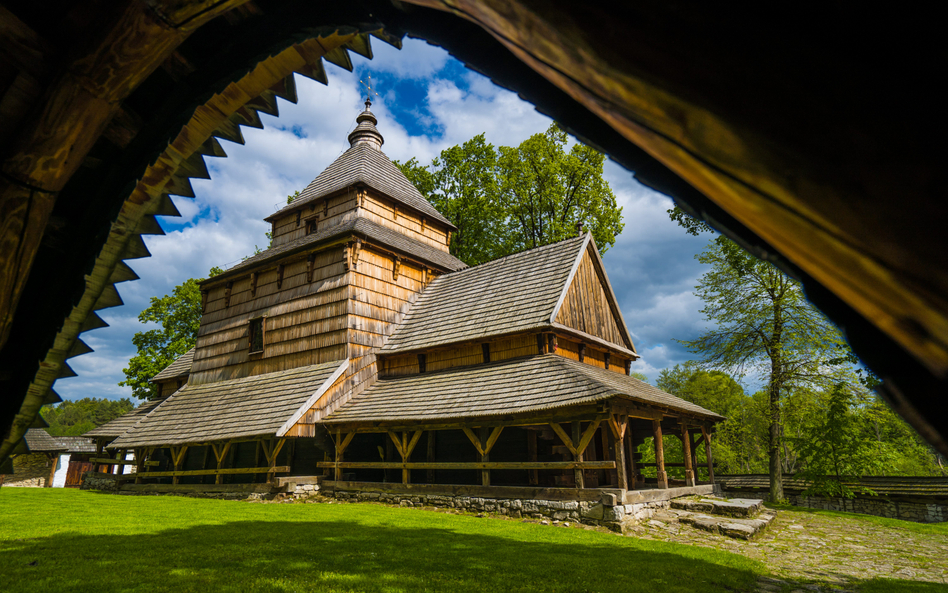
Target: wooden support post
[(485, 473), (686, 449), (99, 443), (389, 455), (341, 444), (275, 447), (140, 464), (431, 456), (694, 454), (659, 455), (580, 481), (632, 471), (484, 444), (707, 449), (256, 460), (53, 459), (177, 457), (533, 474), (220, 453), (123, 457), (616, 435), (406, 473)]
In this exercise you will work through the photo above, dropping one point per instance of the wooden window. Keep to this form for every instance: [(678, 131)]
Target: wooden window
[(485, 348), (551, 343), (422, 359), (540, 343), (582, 352), (607, 356), (257, 335)]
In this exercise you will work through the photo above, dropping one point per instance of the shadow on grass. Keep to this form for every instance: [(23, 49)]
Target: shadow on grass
[(339, 556)]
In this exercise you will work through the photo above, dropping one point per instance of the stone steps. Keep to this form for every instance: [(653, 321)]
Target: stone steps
[(737, 518), (744, 508)]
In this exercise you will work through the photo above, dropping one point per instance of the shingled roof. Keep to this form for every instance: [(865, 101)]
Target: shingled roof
[(365, 228), (239, 408), (116, 428), (39, 441), (181, 367), (514, 386), (76, 444), (366, 164), (515, 293)]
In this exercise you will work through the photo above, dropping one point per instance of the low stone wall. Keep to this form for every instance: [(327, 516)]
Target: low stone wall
[(31, 470), (99, 481), (879, 506), (606, 513)]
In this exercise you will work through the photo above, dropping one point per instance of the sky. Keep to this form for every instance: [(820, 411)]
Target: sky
[(427, 101)]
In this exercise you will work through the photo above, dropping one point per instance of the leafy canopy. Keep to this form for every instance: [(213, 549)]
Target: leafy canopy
[(179, 315), (510, 199), (74, 418)]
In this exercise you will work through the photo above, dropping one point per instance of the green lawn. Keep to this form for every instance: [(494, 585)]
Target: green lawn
[(55, 540)]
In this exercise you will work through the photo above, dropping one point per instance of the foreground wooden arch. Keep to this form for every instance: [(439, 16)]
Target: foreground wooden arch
[(765, 128)]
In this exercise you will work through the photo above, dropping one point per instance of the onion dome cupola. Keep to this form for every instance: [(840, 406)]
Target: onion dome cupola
[(365, 132)]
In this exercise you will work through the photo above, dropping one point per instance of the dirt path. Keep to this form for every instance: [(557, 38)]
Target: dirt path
[(812, 551)]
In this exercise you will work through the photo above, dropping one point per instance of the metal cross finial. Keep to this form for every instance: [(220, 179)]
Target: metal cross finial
[(369, 91)]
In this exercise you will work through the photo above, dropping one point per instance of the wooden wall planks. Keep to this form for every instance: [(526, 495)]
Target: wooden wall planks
[(587, 307)]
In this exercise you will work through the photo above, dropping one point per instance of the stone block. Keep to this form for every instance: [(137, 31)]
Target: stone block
[(609, 499), (595, 512), (737, 530)]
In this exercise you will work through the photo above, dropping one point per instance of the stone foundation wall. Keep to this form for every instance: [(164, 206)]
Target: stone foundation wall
[(879, 506), (605, 513), (31, 470)]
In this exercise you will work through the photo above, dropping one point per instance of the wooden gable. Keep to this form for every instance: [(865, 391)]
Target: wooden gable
[(588, 304)]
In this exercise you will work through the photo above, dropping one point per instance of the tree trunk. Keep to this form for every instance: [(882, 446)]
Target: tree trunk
[(776, 378)]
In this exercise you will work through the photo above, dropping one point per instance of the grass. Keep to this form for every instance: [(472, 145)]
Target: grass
[(923, 528), (69, 540)]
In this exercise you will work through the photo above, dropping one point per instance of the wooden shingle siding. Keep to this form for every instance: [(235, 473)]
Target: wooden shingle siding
[(586, 306), (285, 228), (407, 222)]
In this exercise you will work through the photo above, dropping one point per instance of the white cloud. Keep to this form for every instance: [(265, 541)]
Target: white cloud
[(651, 266)]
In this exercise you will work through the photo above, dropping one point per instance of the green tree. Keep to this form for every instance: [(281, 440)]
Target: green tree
[(461, 185), (179, 315), (515, 198), (546, 192), (74, 418), (833, 449), (764, 326)]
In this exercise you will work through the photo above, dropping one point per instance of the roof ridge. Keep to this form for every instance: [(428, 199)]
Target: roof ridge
[(504, 258)]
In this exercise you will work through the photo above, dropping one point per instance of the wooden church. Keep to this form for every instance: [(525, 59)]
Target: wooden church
[(358, 351)]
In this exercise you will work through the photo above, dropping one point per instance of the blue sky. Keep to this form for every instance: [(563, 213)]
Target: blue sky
[(427, 102)]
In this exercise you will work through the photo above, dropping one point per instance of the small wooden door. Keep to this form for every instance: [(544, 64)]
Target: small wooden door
[(74, 473)]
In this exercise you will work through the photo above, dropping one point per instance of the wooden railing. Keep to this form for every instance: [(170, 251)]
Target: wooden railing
[(472, 465), (208, 472)]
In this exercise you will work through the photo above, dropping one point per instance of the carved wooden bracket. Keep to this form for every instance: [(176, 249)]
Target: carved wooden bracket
[(227, 290), (280, 269), (203, 301), (253, 284), (396, 266)]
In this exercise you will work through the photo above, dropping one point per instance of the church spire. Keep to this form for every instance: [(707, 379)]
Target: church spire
[(365, 132)]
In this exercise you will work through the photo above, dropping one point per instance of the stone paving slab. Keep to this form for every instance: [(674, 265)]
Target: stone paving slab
[(808, 553), (734, 507)]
